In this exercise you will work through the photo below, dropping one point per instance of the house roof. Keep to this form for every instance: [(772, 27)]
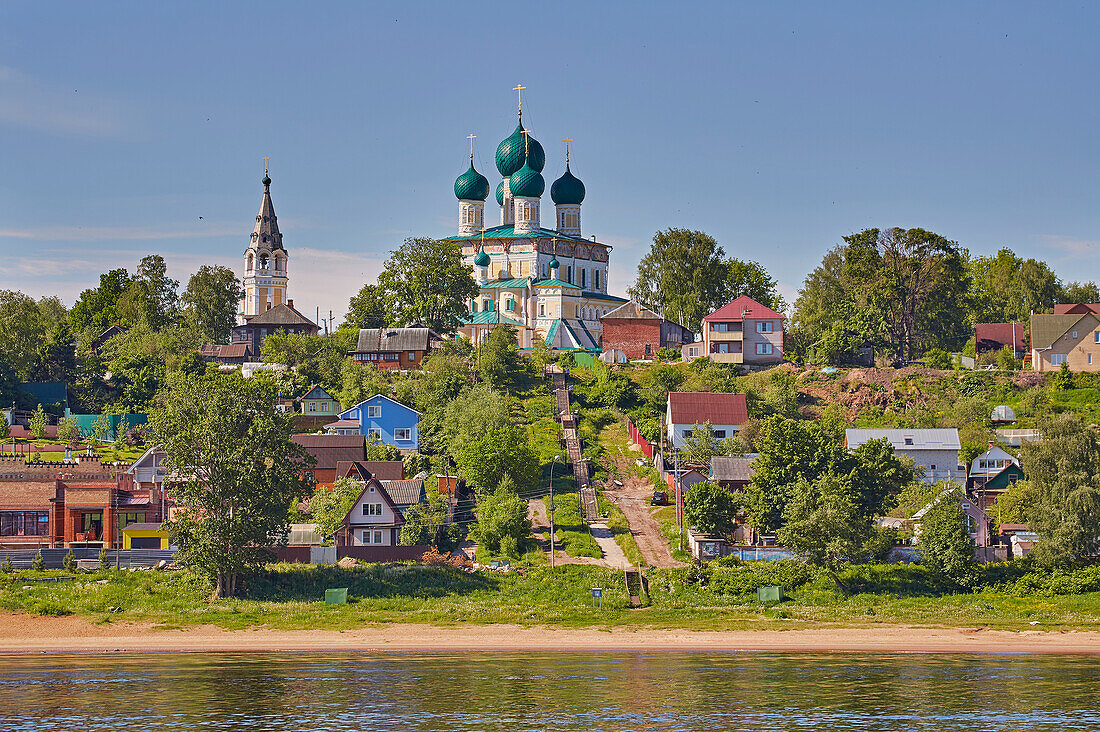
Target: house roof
[(1001, 334), (340, 423), (731, 468), (553, 282), (1077, 308), (506, 284), (631, 311), (1045, 329), (405, 492), (365, 469), (692, 407), (145, 456), (491, 317), (372, 340), (329, 450), (741, 308), (906, 439), (315, 392), (379, 396), (281, 314), (509, 232), (231, 350), (141, 527), (399, 518)]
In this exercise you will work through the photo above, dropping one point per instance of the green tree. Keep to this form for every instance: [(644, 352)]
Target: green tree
[(1017, 504), (5, 428), (1063, 470), (160, 290), (367, 309), (751, 280), (474, 411), (25, 327), (38, 564), (781, 394), (823, 524), (487, 456), (683, 276), (877, 475), (701, 445), (104, 563), (424, 281), (96, 309), (68, 431), (361, 381), (502, 523), (711, 509), (498, 358), (329, 508), (937, 358), (69, 561), (424, 521), (375, 449), (211, 301), (945, 545), (1077, 292), (38, 423), (1062, 380), (1007, 288), (240, 471)]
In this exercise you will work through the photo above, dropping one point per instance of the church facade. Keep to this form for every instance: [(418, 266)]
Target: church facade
[(550, 281)]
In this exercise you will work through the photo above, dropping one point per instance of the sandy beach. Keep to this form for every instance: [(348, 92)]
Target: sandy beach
[(21, 634)]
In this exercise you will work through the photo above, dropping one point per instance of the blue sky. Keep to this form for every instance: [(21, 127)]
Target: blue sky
[(776, 127)]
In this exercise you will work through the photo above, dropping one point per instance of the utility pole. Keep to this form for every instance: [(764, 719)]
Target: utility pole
[(554, 462), (679, 502)]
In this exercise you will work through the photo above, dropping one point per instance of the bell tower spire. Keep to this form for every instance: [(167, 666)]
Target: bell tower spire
[(265, 260)]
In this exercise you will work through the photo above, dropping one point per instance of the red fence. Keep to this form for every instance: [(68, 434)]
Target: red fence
[(365, 553), (637, 438)]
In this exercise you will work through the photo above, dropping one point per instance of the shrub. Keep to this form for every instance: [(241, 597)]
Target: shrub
[(38, 563), (69, 562), (1063, 379), (8, 568), (937, 358), (103, 562)]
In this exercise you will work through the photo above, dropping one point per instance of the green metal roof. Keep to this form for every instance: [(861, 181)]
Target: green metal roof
[(482, 259), (567, 189), (514, 151), (556, 283), (553, 331), (509, 232), (506, 284), (472, 185), (593, 295), (490, 317), (526, 183)]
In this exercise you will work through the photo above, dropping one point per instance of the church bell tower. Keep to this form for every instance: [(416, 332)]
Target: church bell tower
[(265, 260)]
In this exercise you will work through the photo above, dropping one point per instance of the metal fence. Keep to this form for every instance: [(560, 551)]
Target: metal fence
[(55, 558)]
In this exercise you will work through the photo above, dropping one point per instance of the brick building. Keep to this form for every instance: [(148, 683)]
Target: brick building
[(78, 503), (639, 332)]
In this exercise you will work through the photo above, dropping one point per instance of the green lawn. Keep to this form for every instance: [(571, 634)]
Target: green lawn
[(708, 598)]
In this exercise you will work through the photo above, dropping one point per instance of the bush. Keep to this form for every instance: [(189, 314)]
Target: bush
[(7, 568), (69, 562), (103, 562), (937, 358), (1063, 379), (38, 563)]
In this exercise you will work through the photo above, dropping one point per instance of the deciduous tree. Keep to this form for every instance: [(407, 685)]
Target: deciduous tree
[(682, 277), (945, 544), (486, 457), (211, 301), (424, 281), (711, 509)]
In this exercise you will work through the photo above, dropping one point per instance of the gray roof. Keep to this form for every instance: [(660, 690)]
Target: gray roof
[(405, 492), (907, 439), (731, 468), (281, 314), (373, 340), (633, 311)]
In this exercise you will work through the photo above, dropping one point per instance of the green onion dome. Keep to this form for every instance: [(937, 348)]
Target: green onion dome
[(472, 185), (500, 193), (514, 151), (554, 263), (482, 259), (567, 189), (526, 182)]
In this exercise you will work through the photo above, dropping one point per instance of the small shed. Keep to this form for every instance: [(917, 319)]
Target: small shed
[(613, 356), (1003, 414), (144, 536)]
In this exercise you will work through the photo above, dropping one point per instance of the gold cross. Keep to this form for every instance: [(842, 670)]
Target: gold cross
[(567, 141), (471, 139), (519, 90), (265, 164), (526, 140)]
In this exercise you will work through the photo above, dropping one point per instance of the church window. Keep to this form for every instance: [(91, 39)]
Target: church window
[(584, 277), (596, 278), (488, 306), (263, 261), (250, 262), (568, 274), (473, 307), (542, 310)]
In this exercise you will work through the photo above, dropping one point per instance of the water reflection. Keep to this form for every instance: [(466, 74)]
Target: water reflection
[(600, 691)]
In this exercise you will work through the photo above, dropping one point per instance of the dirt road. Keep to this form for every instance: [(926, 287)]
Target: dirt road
[(633, 499)]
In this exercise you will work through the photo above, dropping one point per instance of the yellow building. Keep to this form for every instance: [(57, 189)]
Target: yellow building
[(145, 536)]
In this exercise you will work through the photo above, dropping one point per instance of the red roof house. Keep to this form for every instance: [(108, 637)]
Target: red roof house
[(995, 336), (744, 332), (725, 413)]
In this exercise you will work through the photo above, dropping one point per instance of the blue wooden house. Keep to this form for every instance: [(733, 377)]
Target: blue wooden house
[(385, 420)]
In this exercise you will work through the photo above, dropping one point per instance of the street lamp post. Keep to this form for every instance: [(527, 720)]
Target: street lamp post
[(554, 462)]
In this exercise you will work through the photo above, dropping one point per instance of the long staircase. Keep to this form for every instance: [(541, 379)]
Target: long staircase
[(572, 441)]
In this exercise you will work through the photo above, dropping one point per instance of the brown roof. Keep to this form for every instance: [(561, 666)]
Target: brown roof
[(999, 335), (232, 350), (366, 469), (1045, 329), (691, 407), (741, 308), (1076, 308), (344, 423), (330, 450), (282, 314)]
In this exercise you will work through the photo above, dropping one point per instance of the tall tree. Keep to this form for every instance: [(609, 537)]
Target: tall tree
[(750, 279), (683, 276), (424, 281), (1076, 292), (97, 308), (711, 509), (23, 332), (152, 272), (367, 309), (945, 545), (1007, 288), (502, 451), (239, 472), (1063, 474), (211, 301)]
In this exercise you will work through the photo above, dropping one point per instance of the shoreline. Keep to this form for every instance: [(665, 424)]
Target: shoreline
[(22, 634)]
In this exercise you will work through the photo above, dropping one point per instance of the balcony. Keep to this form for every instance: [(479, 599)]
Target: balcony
[(727, 357), (734, 333)]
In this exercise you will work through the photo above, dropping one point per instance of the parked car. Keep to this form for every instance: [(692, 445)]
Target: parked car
[(660, 498)]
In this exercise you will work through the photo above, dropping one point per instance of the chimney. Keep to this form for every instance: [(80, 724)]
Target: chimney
[(290, 304)]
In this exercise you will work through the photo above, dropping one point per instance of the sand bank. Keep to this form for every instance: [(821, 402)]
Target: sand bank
[(20, 633)]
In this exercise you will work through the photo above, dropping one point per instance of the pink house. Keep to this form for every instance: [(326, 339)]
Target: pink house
[(744, 331)]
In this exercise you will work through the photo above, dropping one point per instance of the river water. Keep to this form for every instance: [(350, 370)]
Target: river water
[(549, 691)]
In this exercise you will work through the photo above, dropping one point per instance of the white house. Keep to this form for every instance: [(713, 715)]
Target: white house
[(726, 414), (991, 462), (936, 450), (374, 519)]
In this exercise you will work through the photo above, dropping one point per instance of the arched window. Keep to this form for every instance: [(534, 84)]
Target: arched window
[(251, 262)]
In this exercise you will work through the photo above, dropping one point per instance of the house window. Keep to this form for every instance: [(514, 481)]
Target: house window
[(722, 327), (309, 476), (1090, 358), (374, 433), (763, 349), (764, 326), (324, 406), (402, 434), (372, 509), (648, 349), (488, 306), (377, 537), (908, 440), (412, 355), (687, 433), (24, 523), (374, 412), (1096, 337), (372, 537), (1057, 359), (719, 434), (932, 466), (311, 406)]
